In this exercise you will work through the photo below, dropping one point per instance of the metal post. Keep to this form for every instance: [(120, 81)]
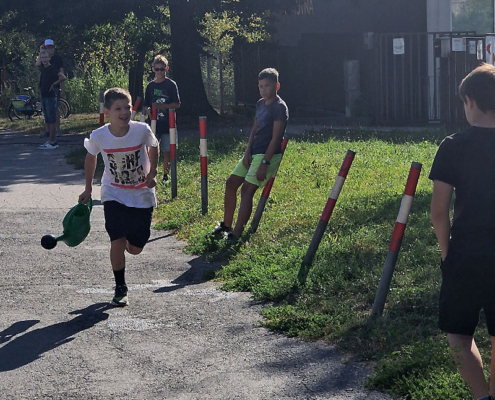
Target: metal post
[(135, 108), (102, 102), (395, 243), (265, 194), (327, 212), (173, 150), (204, 165)]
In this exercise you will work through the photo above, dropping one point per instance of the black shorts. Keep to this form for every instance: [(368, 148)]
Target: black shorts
[(128, 222), (468, 283)]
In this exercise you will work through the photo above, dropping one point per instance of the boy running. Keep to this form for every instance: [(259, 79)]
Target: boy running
[(130, 155)]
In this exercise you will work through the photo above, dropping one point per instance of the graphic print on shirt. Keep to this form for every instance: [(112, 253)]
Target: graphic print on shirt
[(160, 98), (126, 167)]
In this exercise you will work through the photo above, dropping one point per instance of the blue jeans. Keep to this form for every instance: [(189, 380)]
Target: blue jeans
[(49, 107)]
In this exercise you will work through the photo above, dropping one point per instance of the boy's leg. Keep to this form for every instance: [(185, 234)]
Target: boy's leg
[(246, 207), (53, 132), (230, 198), (117, 259), (468, 360)]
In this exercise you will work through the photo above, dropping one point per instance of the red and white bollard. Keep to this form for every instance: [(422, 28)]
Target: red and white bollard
[(327, 212), (265, 194), (102, 104), (154, 115), (396, 241), (173, 151), (135, 108), (203, 153)]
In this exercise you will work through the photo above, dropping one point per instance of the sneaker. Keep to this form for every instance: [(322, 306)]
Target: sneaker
[(231, 239), (220, 228), (120, 297), (44, 134), (58, 134), (165, 178), (48, 146)]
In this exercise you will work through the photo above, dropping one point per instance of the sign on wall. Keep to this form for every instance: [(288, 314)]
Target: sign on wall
[(399, 46)]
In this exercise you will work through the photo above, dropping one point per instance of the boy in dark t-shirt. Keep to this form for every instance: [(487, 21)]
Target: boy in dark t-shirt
[(50, 78), (162, 93), (465, 163), (261, 158)]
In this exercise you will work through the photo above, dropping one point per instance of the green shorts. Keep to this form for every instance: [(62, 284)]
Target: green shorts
[(250, 174)]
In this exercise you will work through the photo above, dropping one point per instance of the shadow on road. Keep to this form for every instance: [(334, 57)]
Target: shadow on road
[(30, 346), (198, 273), (16, 328)]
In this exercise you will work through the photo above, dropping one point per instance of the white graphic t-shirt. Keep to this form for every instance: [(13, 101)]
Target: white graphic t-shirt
[(126, 164)]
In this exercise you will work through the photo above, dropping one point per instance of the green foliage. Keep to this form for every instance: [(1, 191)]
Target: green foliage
[(475, 15), (336, 301)]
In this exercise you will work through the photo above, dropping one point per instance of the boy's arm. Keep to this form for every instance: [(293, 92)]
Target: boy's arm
[(247, 153), (61, 78), (89, 173), (151, 177), (277, 135), (439, 214)]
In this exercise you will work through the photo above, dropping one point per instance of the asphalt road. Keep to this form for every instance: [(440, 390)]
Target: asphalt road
[(181, 337)]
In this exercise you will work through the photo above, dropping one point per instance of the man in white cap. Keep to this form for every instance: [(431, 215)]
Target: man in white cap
[(57, 61)]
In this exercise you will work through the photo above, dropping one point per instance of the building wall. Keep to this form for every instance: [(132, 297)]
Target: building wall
[(350, 16)]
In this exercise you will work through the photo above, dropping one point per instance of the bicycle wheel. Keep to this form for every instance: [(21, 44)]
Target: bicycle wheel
[(64, 108), (14, 113)]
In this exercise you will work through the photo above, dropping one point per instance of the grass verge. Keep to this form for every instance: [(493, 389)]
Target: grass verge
[(410, 355)]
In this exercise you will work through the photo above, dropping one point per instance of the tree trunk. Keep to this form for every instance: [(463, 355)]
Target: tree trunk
[(186, 65)]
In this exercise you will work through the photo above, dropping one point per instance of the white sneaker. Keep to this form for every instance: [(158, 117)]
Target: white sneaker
[(48, 146)]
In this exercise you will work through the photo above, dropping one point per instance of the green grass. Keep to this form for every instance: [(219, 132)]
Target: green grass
[(75, 124), (410, 354)]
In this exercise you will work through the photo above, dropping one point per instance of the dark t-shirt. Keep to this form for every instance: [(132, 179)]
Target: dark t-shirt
[(466, 161), (58, 63), (49, 75), (265, 116), (164, 92)]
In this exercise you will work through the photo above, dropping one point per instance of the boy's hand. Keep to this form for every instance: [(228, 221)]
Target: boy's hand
[(261, 173), (85, 196), (247, 159), (151, 180)]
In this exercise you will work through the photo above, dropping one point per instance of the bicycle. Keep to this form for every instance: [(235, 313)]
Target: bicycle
[(29, 106)]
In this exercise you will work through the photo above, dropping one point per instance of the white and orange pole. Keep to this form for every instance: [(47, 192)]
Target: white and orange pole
[(265, 194), (135, 108), (102, 104), (203, 153), (327, 212), (396, 241), (173, 151), (154, 115)]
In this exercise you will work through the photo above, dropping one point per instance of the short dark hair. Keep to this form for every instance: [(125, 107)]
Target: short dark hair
[(115, 94), (479, 85), (268, 73), (159, 59)]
